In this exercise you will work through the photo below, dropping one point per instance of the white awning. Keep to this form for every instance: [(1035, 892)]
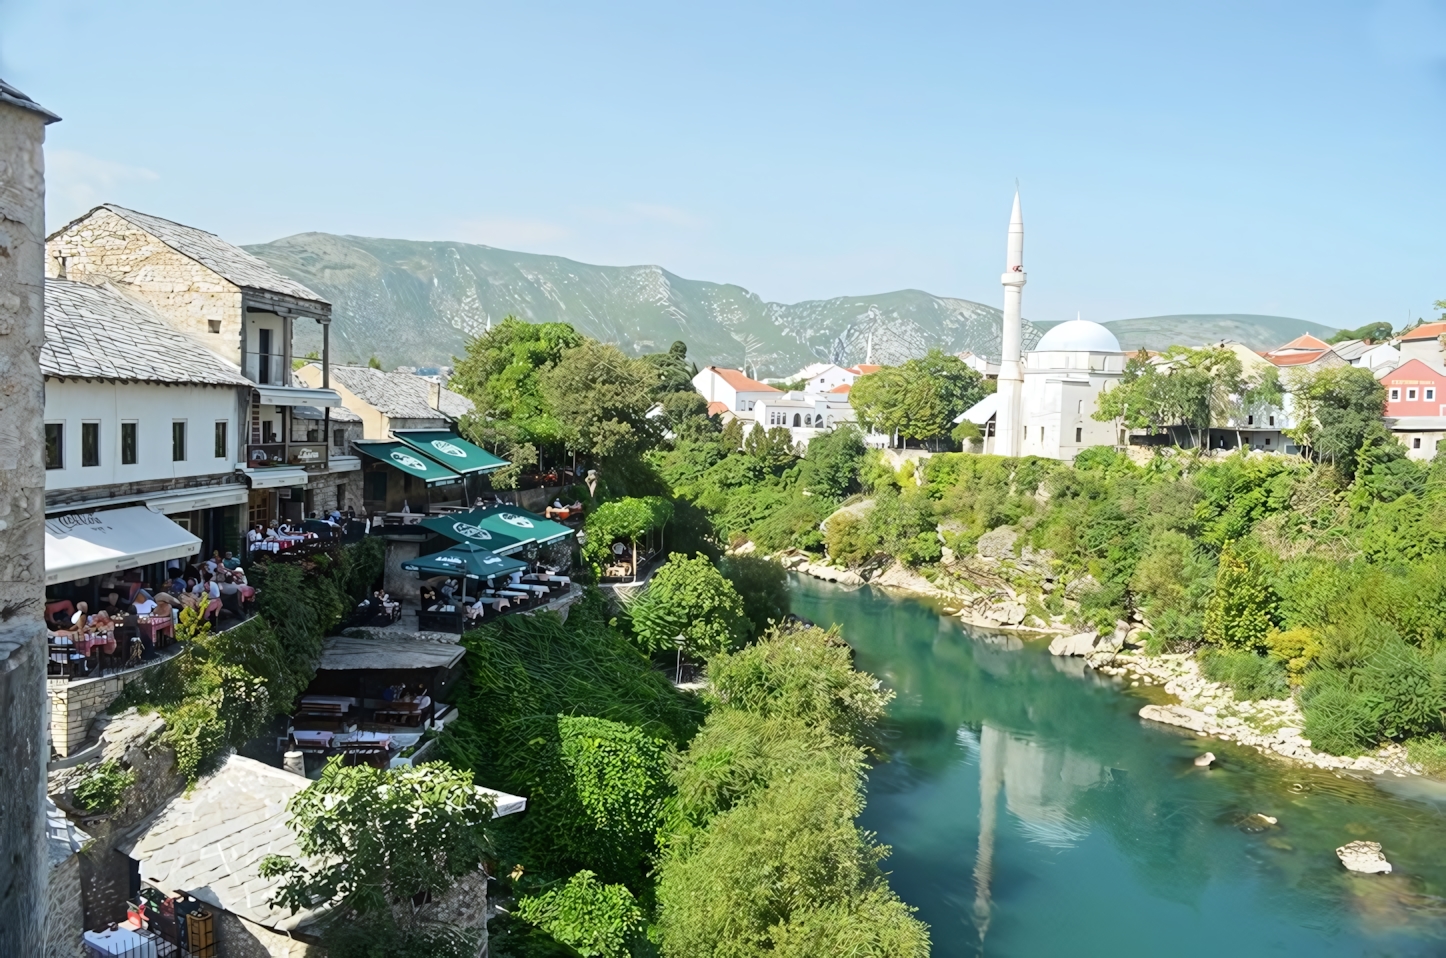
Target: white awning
[(505, 803), (981, 412), (343, 464), (193, 499), (84, 544), (298, 396), (275, 477)]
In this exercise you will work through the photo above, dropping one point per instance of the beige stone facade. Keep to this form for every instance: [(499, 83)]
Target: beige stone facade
[(104, 245)]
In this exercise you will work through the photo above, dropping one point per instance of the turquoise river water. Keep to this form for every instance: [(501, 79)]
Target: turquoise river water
[(1032, 813)]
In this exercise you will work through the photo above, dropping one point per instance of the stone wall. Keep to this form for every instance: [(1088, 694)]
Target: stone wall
[(238, 938), (22, 516), (190, 295), (74, 704), (323, 488), (65, 916)]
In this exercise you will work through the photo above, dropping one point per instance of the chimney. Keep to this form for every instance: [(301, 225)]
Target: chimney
[(434, 395)]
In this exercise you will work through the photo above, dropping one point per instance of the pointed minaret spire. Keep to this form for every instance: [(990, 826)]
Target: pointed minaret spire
[(1009, 417)]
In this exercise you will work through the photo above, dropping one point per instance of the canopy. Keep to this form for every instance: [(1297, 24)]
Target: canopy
[(512, 521), (981, 412), (455, 453), (346, 653), (467, 559), (404, 458), (84, 544), (463, 527)]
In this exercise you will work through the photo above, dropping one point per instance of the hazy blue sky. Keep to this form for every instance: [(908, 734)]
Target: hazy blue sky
[(1282, 158)]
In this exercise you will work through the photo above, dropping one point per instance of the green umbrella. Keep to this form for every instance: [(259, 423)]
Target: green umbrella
[(463, 527), (465, 559)]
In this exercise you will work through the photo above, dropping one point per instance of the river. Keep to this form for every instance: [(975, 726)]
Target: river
[(1032, 813)]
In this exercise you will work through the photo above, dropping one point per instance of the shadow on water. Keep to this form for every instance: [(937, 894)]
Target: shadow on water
[(1032, 812)]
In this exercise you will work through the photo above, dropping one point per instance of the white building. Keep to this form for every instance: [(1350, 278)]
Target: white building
[(803, 414), (136, 415), (1372, 356), (235, 306), (738, 393)]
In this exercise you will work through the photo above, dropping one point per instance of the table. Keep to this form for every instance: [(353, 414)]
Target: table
[(121, 941), (104, 641), (336, 704), (315, 738), (377, 739)]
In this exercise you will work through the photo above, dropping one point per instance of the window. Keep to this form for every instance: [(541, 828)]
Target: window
[(1272, 420), (1395, 394), (1411, 395), (178, 441), (1430, 392), (1079, 434), (796, 420), (90, 444), (1080, 410), (55, 445), (1249, 420), (1416, 443), (1267, 440), (268, 431), (1041, 434), (214, 325), (130, 446), (221, 439), (338, 438)]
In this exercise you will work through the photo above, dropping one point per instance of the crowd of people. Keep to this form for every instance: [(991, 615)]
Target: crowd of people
[(141, 620)]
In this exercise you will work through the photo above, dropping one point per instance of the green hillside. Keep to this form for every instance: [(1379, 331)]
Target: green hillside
[(416, 303)]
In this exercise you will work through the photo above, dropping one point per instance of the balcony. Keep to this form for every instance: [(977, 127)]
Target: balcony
[(266, 369), (263, 454)]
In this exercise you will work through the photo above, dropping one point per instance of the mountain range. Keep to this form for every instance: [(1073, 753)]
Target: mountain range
[(416, 303)]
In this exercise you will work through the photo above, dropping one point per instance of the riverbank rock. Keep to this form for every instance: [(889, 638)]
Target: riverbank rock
[(1364, 857), (1081, 643), (900, 576), (829, 573), (1191, 719), (1205, 761), (1078, 587), (998, 543)]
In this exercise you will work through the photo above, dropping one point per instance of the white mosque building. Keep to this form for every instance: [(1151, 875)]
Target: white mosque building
[(1045, 403)]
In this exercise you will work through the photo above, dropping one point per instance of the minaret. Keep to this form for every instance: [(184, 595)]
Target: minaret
[(1009, 417)]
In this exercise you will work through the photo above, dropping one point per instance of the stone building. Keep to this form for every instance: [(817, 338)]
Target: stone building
[(236, 306), (22, 512)]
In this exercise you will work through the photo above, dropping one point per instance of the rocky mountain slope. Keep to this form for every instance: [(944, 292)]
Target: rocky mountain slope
[(416, 303)]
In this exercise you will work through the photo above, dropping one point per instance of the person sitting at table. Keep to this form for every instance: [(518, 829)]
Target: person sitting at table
[(176, 585), (210, 587), (254, 535), (446, 591), (114, 607), (228, 561), (80, 619), (230, 594), (144, 604), (428, 595)]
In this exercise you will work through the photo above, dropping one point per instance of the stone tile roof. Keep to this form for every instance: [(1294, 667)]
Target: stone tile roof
[(12, 96), (211, 251), (62, 838), (98, 332), (209, 842), (399, 395)]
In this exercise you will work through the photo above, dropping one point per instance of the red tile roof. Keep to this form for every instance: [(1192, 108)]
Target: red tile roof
[(1428, 331), (841, 389), (717, 408), (740, 382), (1304, 341), (863, 369), (1296, 359)]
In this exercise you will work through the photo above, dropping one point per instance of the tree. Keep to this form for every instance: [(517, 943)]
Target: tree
[(374, 363), (1338, 412), (918, 400), (772, 447), (373, 839), (763, 586), (675, 373), (501, 373), (602, 398), (1241, 612), (1193, 388), (1371, 332), (831, 465), (596, 920), (691, 598), (630, 518)]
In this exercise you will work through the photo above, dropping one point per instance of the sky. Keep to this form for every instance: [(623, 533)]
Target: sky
[(1253, 157)]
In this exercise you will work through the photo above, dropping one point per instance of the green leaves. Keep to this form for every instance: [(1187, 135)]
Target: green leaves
[(691, 598), (918, 400), (370, 839), (1241, 614), (102, 787), (597, 920)]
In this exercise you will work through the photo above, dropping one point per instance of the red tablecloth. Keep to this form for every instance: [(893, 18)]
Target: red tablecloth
[(98, 640)]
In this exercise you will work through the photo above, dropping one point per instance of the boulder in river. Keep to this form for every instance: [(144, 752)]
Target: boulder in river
[(1364, 857), (1205, 761), (1081, 643)]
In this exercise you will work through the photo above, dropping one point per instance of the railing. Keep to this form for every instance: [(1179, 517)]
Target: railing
[(266, 369), (262, 454)]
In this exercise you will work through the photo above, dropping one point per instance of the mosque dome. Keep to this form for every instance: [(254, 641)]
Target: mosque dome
[(1078, 336)]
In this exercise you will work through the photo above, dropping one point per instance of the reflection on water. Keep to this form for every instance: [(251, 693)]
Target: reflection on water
[(1032, 813)]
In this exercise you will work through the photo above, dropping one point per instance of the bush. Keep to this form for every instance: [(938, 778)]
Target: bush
[(689, 598), (597, 920), (1337, 719), (763, 585), (102, 788), (1241, 613), (1251, 676)]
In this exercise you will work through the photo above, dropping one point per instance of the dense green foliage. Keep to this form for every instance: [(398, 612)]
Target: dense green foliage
[(762, 855), (101, 788), (370, 840), (689, 597), (224, 687), (919, 399), (596, 920), (623, 520)]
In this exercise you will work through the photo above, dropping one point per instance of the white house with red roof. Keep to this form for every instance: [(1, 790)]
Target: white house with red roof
[(738, 393), (1305, 352)]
